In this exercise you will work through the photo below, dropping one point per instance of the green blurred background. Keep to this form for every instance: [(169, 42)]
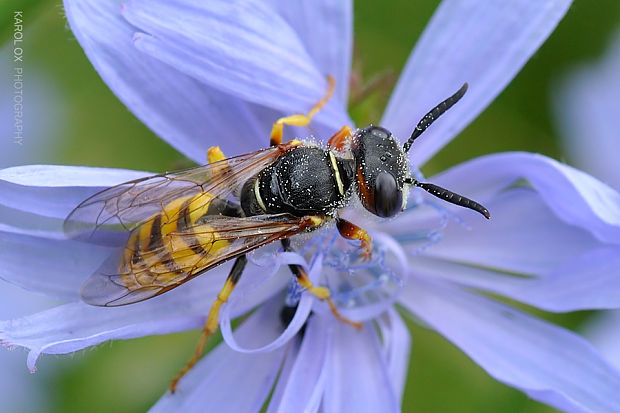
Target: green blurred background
[(87, 125)]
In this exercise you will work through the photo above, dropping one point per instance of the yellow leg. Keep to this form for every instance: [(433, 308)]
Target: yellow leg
[(349, 230), (322, 293), (300, 119), (215, 154), (211, 323)]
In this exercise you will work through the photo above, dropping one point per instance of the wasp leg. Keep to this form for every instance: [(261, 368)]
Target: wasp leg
[(210, 326), (351, 231), (215, 154), (320, 292), (300, 119), (340, 138)]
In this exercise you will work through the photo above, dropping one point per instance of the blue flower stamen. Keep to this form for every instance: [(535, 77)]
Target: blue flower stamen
[(373, 275)]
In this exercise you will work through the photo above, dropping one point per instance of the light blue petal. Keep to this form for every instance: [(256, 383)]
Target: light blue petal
[(52, 267), (227, 381), (303, 382), (396, 343), (72, 327), (587, 106), (358, 379), (52, 190), (241, 48), (325, 28), (289, 360), (523, 236), (483, 43), (589, 281), (182, 110), (545, 361), (573, 196)]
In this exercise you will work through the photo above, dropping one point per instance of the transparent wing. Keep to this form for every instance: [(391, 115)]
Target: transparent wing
[(107, 217), (137, 273)]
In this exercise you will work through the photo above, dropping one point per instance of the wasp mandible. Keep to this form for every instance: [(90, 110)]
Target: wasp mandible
[(172, 227)]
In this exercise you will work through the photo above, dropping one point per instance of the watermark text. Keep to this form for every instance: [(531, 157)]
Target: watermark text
[(18, 78)]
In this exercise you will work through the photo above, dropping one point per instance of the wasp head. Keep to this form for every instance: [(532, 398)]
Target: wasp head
[(381, 169)]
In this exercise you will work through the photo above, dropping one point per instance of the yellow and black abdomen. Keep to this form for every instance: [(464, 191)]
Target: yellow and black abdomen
[(176, 243)]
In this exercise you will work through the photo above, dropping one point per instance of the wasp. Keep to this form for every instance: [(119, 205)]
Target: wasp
[(172, 227)]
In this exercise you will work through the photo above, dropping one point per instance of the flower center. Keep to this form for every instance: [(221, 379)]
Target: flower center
[(366, 287)]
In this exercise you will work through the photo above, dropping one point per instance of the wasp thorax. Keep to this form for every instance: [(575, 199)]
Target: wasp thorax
[(381, 170)]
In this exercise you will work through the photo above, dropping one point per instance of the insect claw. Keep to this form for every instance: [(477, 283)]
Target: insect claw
[(366, 249)]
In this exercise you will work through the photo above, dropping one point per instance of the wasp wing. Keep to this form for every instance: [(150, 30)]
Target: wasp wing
[(107, 217), (135, 274)]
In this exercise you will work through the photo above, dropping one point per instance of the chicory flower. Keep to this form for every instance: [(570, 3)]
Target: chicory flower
[(220, 73)]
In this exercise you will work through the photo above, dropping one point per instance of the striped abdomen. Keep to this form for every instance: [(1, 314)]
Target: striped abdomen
[(175, 244)]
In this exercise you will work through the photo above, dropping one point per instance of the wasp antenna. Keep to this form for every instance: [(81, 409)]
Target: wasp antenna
[(435, 113), (454, 198)]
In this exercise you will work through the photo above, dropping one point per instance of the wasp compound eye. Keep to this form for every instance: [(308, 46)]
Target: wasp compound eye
[(388, 197)]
